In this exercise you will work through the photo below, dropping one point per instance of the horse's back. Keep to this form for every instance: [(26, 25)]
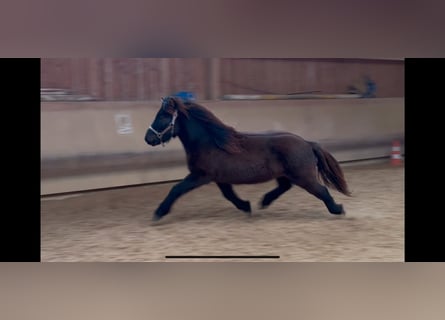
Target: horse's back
[(267, 134), (276, 140)]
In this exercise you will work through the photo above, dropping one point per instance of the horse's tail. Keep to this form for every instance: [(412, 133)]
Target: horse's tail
[(329, 169)]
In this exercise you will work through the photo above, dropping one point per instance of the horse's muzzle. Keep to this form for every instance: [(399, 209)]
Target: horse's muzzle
[(151, 139)]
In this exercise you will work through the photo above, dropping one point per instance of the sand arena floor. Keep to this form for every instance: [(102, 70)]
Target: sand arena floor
[(114, 225)]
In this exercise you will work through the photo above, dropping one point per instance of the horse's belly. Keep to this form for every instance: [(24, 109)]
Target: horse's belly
[(253, 173)]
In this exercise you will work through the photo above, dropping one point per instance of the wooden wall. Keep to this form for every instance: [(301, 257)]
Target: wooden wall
[(125, 79), (152, 78), (285, 76)]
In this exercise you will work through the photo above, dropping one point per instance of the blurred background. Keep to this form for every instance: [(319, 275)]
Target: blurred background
[(95, 111)]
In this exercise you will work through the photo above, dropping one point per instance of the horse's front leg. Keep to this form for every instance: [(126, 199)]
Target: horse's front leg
[(189, 183)]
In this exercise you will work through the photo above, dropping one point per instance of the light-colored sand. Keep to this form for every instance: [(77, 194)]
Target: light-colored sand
[(115, 225)]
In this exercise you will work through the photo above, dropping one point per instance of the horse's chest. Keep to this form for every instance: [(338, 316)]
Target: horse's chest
[(199, 162)]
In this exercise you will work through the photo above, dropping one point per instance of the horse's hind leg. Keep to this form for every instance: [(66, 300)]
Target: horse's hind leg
[(312, 186), (284, 184), (229, 194)]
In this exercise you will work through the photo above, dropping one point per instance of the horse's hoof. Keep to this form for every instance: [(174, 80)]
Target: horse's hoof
[(155, 218), (246, 207), (340, 212), (337, 210), (262, 205)]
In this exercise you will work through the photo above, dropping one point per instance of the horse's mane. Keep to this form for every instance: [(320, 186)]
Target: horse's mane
[(224, 137)]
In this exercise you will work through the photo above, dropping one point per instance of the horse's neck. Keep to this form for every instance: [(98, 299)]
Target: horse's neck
[(193, 135)]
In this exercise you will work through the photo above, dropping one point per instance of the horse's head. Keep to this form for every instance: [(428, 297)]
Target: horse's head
[(164, 125)]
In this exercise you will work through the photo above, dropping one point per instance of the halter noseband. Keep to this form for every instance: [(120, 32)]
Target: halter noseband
[(171, 126)]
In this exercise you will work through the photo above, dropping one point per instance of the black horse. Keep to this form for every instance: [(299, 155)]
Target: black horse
[(219, 153)]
